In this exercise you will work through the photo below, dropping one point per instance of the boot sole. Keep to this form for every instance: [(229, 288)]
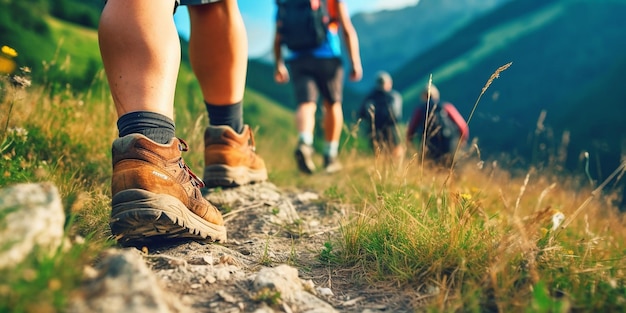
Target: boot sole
[(142, 217), (220, 175)]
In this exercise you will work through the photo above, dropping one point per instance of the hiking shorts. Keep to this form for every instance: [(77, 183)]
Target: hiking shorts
[(188, 2), (194, 2), (313, 76)]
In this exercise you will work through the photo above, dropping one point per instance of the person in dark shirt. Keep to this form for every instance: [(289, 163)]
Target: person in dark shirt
[(382, 111)]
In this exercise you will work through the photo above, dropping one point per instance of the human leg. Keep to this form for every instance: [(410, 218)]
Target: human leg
[(218, 50), (141, 55), (154, 194), (302, 72), (331, 86), (333, 122), (305, 124)]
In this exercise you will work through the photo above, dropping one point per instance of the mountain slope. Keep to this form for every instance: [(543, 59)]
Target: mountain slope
[(558, 48), (390, 38)]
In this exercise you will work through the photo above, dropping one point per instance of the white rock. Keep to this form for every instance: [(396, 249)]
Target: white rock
[(32, 215)]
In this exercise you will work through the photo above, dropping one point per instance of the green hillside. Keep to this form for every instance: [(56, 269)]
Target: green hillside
[(390, 38), (564, 55), (55, 39)]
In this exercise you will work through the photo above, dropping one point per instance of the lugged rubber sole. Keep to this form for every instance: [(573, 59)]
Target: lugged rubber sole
[(219, 175), (142, 217)]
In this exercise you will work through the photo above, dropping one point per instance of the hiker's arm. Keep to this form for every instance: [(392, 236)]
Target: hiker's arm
[(352, 41), (281, 74)]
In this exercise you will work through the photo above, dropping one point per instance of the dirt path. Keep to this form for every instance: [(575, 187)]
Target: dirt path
[(268, 228)]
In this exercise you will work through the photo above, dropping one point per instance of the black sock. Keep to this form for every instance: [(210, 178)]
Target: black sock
[(157, 127), (230, 115)]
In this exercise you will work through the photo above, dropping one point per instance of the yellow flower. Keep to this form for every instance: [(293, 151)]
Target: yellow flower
[(8, 51), (466, 196)]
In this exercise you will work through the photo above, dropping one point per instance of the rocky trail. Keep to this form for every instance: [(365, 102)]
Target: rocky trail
[(270, 263)]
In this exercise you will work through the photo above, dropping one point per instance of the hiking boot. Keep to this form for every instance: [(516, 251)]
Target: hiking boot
[(230, 159), (156, 196), (332, 164), (304, 158)]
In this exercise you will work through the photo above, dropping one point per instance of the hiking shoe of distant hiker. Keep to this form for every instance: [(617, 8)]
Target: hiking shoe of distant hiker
[(156, 196), (332, 164), (304, 158), (230, 159)]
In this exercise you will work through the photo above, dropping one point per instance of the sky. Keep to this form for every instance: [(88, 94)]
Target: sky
[(258, 16)]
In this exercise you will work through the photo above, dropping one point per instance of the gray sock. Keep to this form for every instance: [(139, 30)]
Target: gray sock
[(159, 128)]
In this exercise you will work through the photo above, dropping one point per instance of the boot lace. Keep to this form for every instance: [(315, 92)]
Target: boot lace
[(197, 182), (251, 140)]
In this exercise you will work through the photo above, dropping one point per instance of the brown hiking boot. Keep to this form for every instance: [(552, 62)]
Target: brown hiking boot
[(229, 158), (156, 196)]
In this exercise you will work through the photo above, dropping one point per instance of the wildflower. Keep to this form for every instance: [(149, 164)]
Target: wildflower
[(19, 133), (22, 81), (8, 51), (466, 196)]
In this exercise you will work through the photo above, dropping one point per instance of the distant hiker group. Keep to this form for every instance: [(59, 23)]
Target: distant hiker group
[(435, 126), (308, 31), (155, 195)]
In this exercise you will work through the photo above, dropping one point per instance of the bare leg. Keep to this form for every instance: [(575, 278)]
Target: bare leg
[(305, 117), (333, 121), (141, 54), (218, 50)]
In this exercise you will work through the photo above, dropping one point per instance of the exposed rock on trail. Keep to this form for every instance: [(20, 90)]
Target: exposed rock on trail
[(270, 263)]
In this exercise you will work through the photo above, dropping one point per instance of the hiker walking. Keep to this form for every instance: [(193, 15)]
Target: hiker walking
[(382, 111), (155, 195), (310, 31), (438, 126)]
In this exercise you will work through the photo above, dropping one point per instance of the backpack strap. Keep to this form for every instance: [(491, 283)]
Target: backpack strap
[(458, 119), (332, 7)]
